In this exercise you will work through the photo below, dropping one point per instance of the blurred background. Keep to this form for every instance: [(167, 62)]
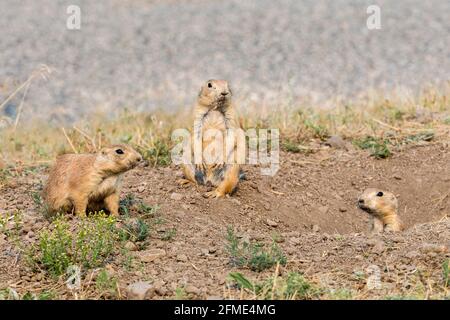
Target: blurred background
[(146, 55)]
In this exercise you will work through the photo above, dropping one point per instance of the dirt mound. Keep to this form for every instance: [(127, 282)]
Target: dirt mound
[(309, 207)]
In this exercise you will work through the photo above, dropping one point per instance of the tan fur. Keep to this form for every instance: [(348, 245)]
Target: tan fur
[(89, 181), (214, 111), (382, 206)]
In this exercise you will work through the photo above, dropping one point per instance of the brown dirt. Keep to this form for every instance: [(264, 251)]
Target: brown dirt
[(317, 190)]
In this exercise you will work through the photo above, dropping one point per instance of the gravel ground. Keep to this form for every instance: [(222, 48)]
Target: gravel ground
[(148, 54)]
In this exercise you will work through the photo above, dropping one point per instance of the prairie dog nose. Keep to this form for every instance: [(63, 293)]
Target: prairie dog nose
[(225, 93), (361, 201)]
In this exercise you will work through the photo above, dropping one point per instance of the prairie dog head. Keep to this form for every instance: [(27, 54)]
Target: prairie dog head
[(118, 158), (378, 202), (215, 94)]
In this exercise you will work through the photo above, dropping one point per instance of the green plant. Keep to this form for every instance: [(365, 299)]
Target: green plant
[(253, 255), (293, 286), (290, 146), (105, 283), (135, 230), (340, 294), (446, 272), (169, 234), (90, 244), (318, 130), (126, 203), (158, 153), (129, 202), (378, 147), (9, 294), (180, 294), (423, 136), (11, 224)]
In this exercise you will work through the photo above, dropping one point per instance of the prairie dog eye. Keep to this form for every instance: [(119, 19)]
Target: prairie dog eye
[(380, 194), (209, 85), (119, 151)]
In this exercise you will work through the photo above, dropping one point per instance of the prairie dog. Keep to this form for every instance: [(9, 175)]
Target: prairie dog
[(81, 181), (382, 207), (214, 112)]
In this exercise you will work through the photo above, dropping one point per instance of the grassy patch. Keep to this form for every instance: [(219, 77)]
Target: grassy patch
[(158, 154), (11, 294), (378, 147), (254, 256), (290, 287), (89, 244), (135, 230)]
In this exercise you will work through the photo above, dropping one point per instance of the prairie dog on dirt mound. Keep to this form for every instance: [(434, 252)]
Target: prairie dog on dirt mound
[(382, 206), (89, 181), (214, 112)]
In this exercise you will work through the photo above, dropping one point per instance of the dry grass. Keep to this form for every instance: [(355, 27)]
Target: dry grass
[(398, 117)]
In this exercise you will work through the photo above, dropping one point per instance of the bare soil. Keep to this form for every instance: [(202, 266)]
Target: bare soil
[(309, 207)]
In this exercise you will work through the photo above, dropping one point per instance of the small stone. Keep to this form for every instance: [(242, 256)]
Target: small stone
[(324, 209), (131, 246), (191, 289), (412, 255), (176, 196), (236, 201), (271, 223), (397, 177), (315, 228), (161, 291), (379, 248), (182, 258), (152, 255), (140, 290), (212, 250), (342, 209), (141, 189)]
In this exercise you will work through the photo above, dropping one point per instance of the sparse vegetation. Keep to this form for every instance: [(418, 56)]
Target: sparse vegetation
[(253, 255), (11, 224), (106, 284), (168, 235), (373, 115), (291, 287), (87, 245), (11, 294), (378, 147)]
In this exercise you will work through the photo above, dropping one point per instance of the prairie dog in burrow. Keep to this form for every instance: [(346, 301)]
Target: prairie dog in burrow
[(382, 207)]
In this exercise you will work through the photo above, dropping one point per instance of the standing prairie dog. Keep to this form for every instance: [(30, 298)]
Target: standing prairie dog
[(89, 181), (382, 206), (214, 112)]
